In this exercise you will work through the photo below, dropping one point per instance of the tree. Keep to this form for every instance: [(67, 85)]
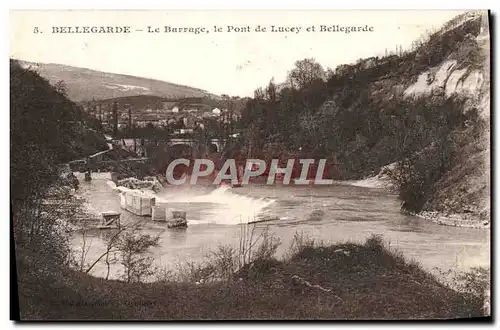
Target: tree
[(130, 120), (133, 246), (305, 72), (271, 92), (100, 113), (115, 118), (228, 104), (330, 73), (259, 94), (309, 126)]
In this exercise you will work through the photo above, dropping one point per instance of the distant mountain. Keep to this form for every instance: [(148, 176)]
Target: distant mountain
[(85, 84)]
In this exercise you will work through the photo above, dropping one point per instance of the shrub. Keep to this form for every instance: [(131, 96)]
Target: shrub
[(300, 242), (225, 261), (375, 243), (268, 246), (473, 282)]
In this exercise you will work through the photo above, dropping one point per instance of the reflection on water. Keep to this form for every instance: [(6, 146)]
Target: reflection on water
[(336, 213)]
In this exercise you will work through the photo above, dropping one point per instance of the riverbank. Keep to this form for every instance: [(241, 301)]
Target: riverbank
[(340, 281)]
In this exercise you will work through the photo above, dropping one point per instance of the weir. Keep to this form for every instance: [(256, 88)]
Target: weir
[(233, 209)]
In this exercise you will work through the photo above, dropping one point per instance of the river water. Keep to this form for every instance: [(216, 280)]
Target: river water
[(333, 213)]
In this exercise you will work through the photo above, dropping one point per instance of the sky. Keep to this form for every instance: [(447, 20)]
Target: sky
[(226, 62)]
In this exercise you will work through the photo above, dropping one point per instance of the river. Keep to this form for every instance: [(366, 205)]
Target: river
[(333, 213)]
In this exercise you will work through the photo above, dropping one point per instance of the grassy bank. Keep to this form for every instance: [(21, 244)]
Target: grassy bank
[(344, 281)]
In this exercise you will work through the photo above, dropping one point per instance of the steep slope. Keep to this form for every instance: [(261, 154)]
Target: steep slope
[(85, 84)]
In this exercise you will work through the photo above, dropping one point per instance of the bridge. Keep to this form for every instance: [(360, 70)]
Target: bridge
[(98, 159), (216, 145)]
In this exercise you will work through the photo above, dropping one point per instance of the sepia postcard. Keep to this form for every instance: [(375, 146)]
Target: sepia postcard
[(250, 165)]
